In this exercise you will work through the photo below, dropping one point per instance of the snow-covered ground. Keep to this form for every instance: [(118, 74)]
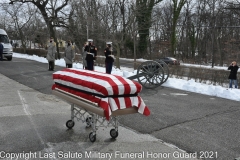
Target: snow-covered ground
[(187, 85)]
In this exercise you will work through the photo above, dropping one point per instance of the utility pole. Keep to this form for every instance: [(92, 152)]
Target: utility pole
[(134, 46), (87, 32), (213, 33)]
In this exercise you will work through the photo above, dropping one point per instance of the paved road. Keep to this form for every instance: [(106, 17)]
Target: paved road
[(33, 128), (193, 122)]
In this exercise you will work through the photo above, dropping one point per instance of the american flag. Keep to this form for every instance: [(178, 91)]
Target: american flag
[(110, 92)]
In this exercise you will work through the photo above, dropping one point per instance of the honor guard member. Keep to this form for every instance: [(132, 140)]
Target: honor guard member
[(109, 57), (51, 54), (69, 54), (91, 54)]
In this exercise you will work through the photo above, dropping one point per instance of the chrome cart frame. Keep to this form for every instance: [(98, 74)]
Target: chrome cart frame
[(91, 114)]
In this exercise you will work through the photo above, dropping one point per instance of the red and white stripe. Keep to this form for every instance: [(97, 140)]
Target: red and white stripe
[(103, 84)]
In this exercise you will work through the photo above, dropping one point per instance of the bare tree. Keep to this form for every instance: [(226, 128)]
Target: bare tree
[(143, 18), (177, 7), (21, 21), (199, 30), (51, 11)]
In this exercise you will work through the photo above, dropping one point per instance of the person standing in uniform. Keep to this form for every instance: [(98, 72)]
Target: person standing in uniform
[(1, 51), (51, 54), (91, 54), (69, 54), (233, 74), (84, 54), (109, 58)]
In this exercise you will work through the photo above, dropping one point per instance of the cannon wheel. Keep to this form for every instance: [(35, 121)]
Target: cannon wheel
[(166, 70), (150, 74)]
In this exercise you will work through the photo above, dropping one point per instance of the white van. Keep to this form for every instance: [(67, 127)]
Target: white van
[(7, 47)]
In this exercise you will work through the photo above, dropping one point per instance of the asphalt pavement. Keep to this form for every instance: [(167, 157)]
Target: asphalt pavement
[(196, 123), (32, 126)]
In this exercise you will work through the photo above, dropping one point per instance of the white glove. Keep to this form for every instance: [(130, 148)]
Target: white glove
[(111, 56)]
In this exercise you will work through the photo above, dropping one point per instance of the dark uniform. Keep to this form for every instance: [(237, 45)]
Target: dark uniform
[(109, 59), (1, 51), (91, 55)]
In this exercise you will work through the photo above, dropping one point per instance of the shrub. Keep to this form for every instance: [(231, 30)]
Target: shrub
[(38, 52)]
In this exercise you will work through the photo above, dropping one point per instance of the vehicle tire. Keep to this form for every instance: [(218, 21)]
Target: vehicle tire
[(9, 58), (70, 124), (113, 133), (92, 137)]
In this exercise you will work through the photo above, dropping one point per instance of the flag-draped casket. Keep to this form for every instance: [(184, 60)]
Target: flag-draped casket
[(110, 92)]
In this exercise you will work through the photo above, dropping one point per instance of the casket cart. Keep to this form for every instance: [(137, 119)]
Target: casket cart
[(97, 99)]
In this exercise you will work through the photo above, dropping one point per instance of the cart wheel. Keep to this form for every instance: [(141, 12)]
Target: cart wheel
[(150, 74), (70, 124), (113, 133), (92, 137), (89, 121), (165, 68)]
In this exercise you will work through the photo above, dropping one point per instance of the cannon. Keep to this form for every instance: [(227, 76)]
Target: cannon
[(151, 74)]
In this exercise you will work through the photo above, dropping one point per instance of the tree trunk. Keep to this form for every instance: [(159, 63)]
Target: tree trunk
[(143, 18), (118, 55), (177, 7)]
